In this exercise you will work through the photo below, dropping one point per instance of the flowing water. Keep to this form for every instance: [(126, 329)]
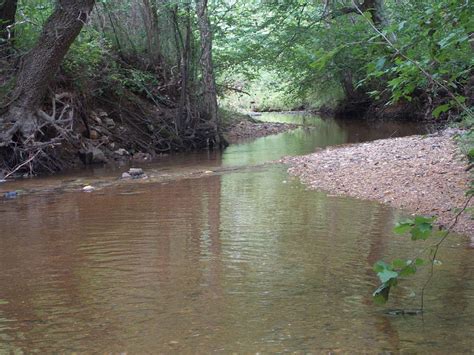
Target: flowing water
[(244, 260)]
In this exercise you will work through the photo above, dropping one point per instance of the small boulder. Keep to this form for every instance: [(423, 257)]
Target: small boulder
[(135, 172), (98, 156), (126, 176), (88, 188)]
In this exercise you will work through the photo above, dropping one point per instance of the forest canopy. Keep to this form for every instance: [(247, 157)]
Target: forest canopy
[(85, 78)]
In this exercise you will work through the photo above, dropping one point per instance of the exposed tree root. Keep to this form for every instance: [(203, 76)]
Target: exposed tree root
[(66, 132)]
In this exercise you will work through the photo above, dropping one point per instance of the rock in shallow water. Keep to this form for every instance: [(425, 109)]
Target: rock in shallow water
[(135, 172), (88, 188)]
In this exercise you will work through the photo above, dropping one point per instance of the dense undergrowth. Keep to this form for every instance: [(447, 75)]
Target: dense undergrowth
[(130, 84)]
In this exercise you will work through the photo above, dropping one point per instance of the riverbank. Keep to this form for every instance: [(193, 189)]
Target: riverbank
[(421, 175), (249, 129)]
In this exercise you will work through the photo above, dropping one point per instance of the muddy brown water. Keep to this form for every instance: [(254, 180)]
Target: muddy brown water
[(243, 261)]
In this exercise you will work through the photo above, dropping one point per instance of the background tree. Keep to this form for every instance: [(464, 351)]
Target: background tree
[(209, 84)]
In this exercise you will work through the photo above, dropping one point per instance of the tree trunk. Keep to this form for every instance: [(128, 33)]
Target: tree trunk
[(377, 10), (40, 65), (150, 18), (210, 92), (184, 116)]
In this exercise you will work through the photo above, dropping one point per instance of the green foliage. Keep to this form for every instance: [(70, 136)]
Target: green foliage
[(420, 228), (86, 54), (30, 18), (430, 54)]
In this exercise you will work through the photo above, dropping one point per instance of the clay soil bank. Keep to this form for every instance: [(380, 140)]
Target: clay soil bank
[(420, 174)]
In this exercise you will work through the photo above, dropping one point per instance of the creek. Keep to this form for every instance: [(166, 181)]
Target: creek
[(242, 260)]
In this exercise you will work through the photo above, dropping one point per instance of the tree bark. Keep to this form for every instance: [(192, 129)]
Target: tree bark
[(40, 65), (210, 92), (150, 18), (7, 18), (376, 8)]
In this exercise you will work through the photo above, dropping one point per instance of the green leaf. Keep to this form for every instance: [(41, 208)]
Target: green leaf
[(380, 266), (380, 63), (408, 270), (440, 109), (403, 227), (399, 263), (422, 228), (421, 231), (419, 262), (471, 154), (387, 275)]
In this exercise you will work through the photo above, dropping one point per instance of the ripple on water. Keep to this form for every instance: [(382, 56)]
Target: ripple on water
[(240, 262)]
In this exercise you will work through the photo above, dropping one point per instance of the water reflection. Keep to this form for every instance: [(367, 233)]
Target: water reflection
[(239, 262), (242, 262)]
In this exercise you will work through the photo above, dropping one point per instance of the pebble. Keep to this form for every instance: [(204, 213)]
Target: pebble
[(135, 172), (88, 188), (11, 194)]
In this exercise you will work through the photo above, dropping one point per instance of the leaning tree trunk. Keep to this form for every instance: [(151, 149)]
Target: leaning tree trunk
[(210, 92), (40, 65), (7, 18)]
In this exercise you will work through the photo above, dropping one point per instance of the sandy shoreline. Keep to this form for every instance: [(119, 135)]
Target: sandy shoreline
[(421, 175)]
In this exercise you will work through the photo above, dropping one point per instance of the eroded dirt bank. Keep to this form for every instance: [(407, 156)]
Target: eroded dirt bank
[(422, 175)]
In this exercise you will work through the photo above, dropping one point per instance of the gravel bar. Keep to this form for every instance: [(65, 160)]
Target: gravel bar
[(419, 174)]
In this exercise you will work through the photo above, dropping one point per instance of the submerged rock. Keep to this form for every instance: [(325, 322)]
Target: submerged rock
[(88, 188), (10, 194), (135, 171)]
